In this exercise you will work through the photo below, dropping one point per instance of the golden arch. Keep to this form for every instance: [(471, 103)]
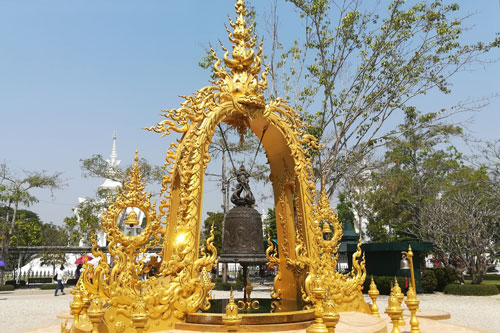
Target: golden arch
[(284, 144), (237, 98), (180, 284)]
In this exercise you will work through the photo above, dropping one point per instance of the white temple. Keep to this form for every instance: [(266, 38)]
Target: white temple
[(112, 185), (108, 184), (113, 163)]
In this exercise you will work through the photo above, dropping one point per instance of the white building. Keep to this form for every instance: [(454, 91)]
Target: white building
[(112, 185)]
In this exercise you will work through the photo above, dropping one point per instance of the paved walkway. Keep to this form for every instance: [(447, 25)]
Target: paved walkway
[(29, 309)]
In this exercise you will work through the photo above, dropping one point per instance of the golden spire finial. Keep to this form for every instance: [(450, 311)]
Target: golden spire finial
[(243, 54), (242, 85)]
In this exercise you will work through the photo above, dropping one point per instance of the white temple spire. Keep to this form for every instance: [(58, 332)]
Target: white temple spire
[(113, 163), (113, 155), (113, 158)]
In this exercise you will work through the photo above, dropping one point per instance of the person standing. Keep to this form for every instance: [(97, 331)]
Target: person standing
[(59, 278), (78, 271)]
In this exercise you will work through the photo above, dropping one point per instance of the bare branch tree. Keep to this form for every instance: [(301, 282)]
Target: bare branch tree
[(464, 227)]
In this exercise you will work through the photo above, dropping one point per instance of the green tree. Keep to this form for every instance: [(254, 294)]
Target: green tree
[(27, 229), (86, 220), (27, 232), (97, 167), (215, 220), (344, 210), (54, 235), (368, 65), (424, 191), (16, 192), (412, 174), (53, 259), (270, 224)]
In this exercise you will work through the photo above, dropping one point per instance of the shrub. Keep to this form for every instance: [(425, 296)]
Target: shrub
[(10, 283), (227, 286), (471, 289), (444, 277), (13, 283), (48, 286), (384, 284), (429, 281), (71, 282), (7, 287)]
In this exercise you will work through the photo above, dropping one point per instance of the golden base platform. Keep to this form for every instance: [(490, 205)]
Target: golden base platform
[(349, 322)]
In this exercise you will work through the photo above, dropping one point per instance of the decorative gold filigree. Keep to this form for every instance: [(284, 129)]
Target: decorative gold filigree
[(166, 294), (345, 290), (153, 295), (272, 262), (249, 303)]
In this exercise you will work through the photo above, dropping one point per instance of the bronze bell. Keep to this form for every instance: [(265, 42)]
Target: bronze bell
[(243, 239), (404, 264)]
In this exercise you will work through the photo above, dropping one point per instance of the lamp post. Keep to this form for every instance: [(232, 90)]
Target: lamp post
[(404, 265)]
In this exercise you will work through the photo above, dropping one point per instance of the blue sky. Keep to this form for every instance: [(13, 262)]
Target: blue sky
[(72, 72)]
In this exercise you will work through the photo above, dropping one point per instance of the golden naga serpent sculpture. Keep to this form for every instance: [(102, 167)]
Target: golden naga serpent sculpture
[(127, 293)]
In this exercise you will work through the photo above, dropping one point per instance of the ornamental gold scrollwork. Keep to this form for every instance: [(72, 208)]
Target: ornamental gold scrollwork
[(345, 290), (121, 290), (272, 262), (136, 292)]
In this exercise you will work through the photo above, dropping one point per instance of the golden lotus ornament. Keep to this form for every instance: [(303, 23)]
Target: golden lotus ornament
[(127, 293)]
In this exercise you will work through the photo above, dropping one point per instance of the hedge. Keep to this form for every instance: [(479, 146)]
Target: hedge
[(384, 284), (7, 287), (48, 286), (21, 283), (71, 282), (444, 277), (227, 286), (471, 289)]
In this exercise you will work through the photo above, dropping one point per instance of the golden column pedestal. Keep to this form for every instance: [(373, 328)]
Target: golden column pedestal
[(412, 303), (140, 316), (399, 296), (374, 293), (330, 316), (95, 313), (394, 311), (232, 319)]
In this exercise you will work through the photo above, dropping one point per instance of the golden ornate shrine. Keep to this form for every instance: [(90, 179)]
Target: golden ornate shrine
[(129, 294)]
